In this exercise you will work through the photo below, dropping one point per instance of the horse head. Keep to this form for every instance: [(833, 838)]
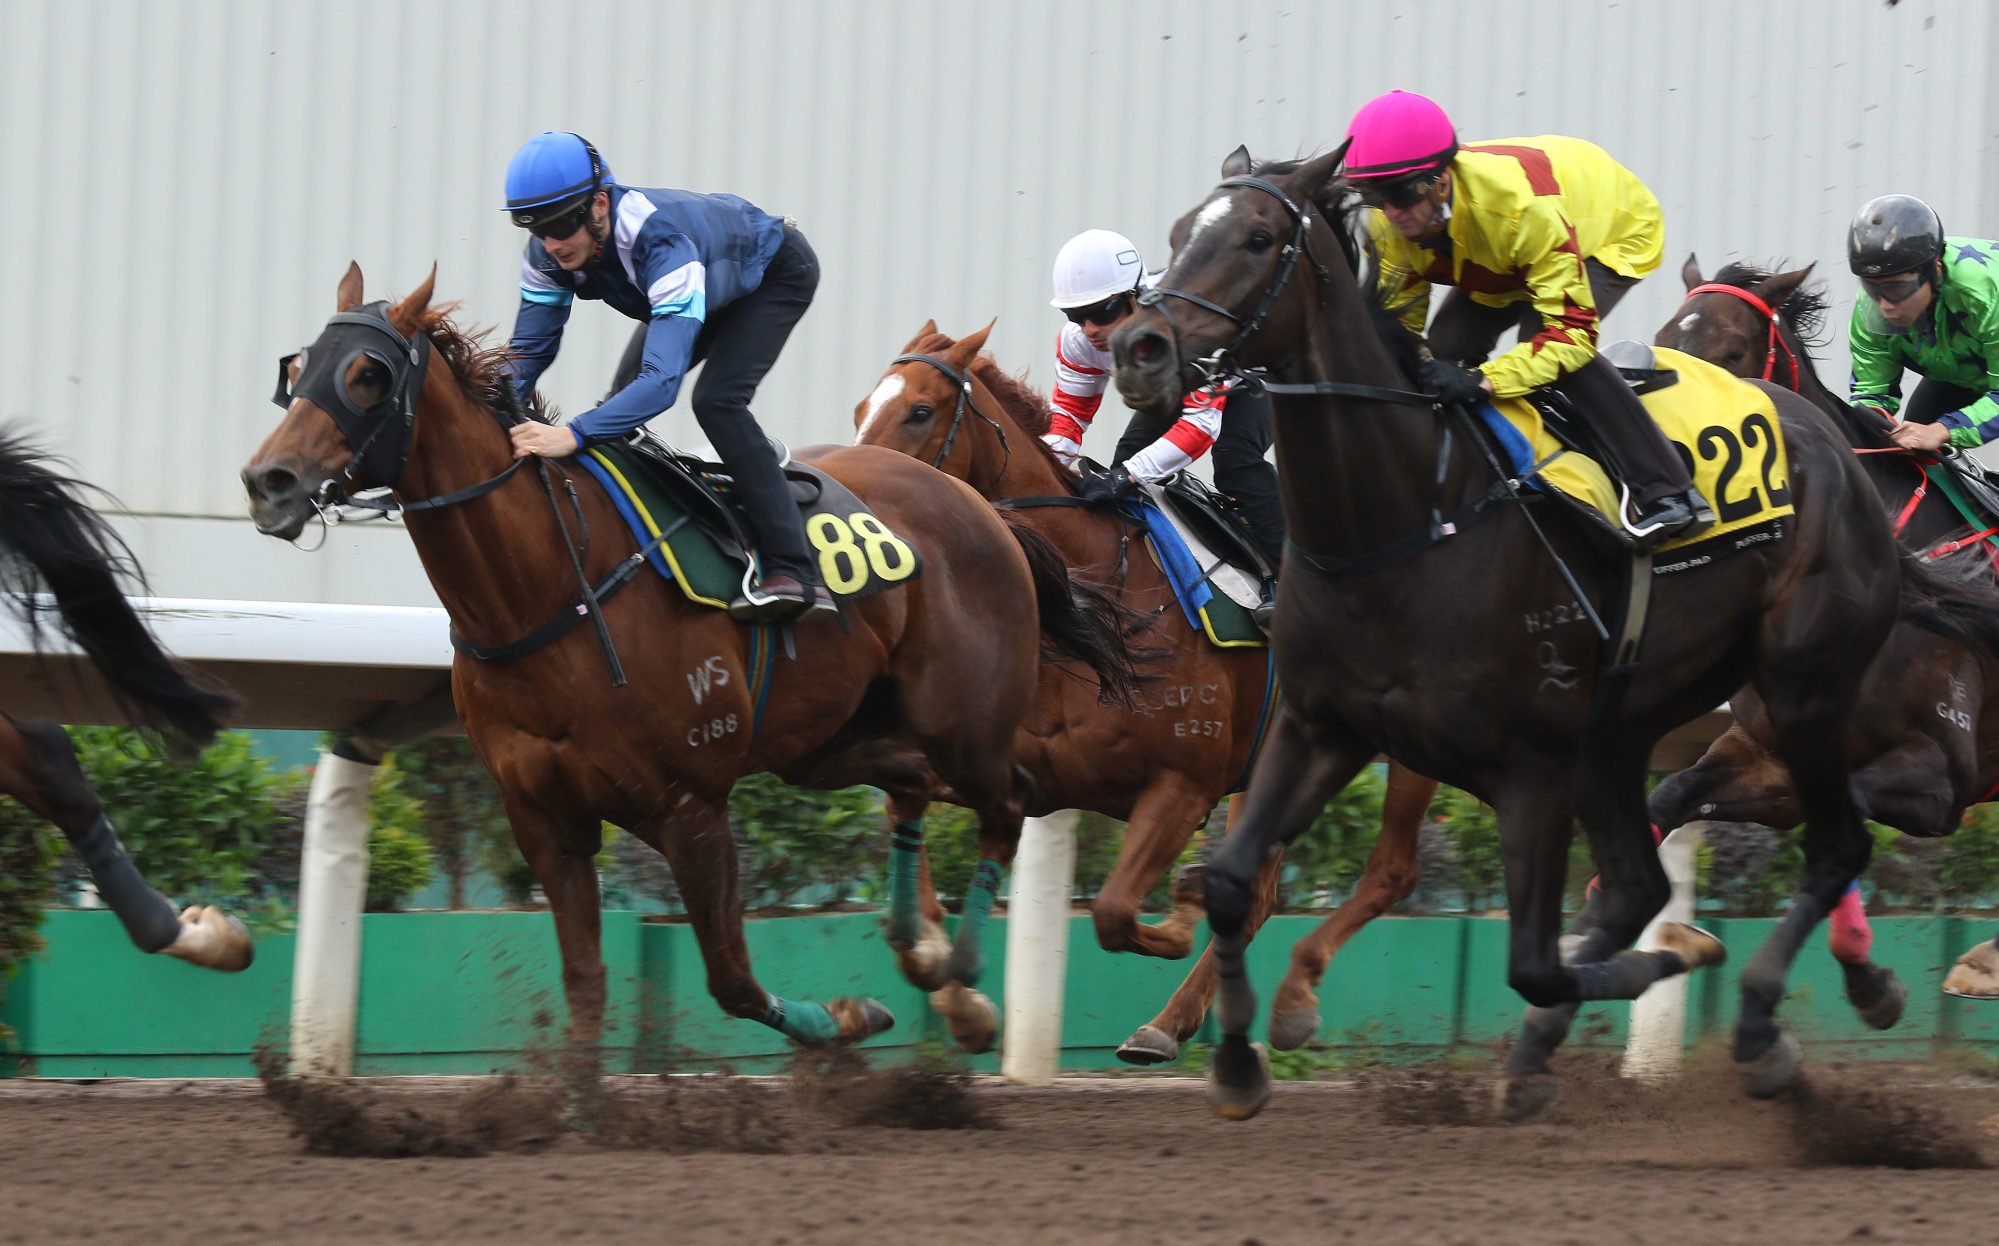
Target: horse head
[(1737, 320), (350, 408), (1228, 293), (920, 405)]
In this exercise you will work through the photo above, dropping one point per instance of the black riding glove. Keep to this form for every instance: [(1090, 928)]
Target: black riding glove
[(1450, 383), (1109, 487)]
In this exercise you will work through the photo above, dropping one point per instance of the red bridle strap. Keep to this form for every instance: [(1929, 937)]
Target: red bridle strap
[(1769, 313)]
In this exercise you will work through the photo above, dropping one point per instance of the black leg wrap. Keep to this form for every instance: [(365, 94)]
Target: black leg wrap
[(149, 917)]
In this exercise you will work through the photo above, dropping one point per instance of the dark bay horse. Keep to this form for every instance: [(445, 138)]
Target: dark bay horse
[(932, 680), (53, 543), (1400, 630), (1926, 746), (1164, 763)]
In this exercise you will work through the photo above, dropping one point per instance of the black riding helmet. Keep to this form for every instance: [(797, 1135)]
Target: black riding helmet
[(1893, 234)]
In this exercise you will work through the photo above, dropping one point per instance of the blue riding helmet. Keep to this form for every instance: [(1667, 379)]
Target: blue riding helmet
[(552, 173)]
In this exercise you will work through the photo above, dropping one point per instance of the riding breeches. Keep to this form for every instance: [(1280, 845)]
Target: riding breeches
[(1240, 468), (1641, 455)]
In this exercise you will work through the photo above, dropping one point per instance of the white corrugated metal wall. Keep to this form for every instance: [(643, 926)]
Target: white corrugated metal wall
[(189, 177)]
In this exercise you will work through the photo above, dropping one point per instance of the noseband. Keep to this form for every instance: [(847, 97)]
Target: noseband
[(963, 382), (1769, 314)]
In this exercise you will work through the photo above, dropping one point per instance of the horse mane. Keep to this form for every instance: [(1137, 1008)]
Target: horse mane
[(1803, 313), (484, 372)]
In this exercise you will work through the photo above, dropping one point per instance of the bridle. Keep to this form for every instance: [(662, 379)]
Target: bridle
[(962, 380), (1770, 315), (379, 463)]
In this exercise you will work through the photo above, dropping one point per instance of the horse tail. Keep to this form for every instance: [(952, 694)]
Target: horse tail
[(1082, 621), (1955, 599), (63, 546)]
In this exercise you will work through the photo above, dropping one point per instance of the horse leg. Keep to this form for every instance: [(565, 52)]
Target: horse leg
[(1158, 1040), (1810, 715), (1736, 780), (702, 854), (1163, 820), (38, 767), (915, 917), (1633, 888), (1387, 881), (1296, 776), (561, 853)]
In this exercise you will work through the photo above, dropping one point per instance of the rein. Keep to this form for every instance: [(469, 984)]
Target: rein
[(1769, 314), (963, 380)]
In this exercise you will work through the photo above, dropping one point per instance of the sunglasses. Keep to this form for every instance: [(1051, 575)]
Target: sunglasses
[(1403, 194), (1891, 289), (565, 225), (1100, 313)]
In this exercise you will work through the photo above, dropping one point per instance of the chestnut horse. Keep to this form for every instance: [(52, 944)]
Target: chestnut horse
[(932, 679), (1927, 746), (1162, 765), (1412, 562), (56, 544)]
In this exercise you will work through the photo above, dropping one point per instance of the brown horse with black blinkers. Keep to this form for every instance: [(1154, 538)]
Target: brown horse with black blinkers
[(930, 683), (1162, 764)]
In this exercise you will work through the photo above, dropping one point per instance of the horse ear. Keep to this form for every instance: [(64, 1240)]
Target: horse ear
[(1690, 272), (1237, 163), (929, 328), (1778, 290), (967, 348), (411, 309), (349, 293), (1316, 172)]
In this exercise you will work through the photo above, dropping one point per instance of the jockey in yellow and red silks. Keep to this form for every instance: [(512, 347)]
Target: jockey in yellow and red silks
[(1541, 234)]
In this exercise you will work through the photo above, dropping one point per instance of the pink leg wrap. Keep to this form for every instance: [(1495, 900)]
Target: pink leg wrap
[(1851, 938)]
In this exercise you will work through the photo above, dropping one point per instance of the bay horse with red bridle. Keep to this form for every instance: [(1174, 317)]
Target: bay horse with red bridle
[(1160, 765), (1926, 747), (1413, 561), (928, 681), (62, 563)]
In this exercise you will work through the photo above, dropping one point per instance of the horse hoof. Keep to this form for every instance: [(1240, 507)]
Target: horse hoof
[(1292, 1030), (1772, 1073), (1518, 1100), (1693, 945), (1880, 1000), (970, 1016), (1976, 974), (1149, 1045), (1238, 1078), (860, 1019), (212, 939), (927, 966)]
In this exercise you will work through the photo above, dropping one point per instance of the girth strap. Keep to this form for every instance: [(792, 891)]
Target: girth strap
[(548, 633), (1416, 542)]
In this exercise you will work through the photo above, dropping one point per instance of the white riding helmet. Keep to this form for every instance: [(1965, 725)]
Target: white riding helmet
[(1093, 266)]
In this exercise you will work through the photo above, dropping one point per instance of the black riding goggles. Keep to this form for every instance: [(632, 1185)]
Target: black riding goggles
[(561, 226), (1402, 193), (1897, 289), (1106, 312)]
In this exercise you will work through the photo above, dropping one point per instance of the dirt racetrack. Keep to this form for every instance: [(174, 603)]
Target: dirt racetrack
[(1403, 1157)]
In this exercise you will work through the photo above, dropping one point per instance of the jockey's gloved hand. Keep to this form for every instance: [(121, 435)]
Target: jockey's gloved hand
[(1109, 487), (1451, 383)]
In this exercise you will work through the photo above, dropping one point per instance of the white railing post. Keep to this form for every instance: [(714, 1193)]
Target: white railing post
[(1037, 948), (1659, 1016), (332, 888)]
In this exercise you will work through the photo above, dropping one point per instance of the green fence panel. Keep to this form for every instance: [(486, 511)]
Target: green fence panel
[(1815, 1007)]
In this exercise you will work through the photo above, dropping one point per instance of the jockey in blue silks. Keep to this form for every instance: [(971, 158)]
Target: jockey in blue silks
[(714, 278)]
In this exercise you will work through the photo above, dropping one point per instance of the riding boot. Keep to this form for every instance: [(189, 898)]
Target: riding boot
[(1665, 503), (786, 572)]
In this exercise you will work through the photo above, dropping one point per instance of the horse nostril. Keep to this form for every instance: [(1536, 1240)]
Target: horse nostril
[(1148, 347), (272, 483)]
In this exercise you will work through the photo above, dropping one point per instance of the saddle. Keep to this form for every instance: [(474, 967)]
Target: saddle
[(1640, 369), (684, 511), (1217, 522)]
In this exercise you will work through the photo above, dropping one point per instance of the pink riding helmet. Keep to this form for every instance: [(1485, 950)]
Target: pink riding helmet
[(1397, 134)]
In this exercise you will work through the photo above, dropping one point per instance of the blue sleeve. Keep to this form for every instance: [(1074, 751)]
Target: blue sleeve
[(669, 349), (537, 335)]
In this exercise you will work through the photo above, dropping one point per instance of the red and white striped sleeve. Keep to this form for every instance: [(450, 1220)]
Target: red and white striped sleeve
[(1081, 373), (1190, 437)]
